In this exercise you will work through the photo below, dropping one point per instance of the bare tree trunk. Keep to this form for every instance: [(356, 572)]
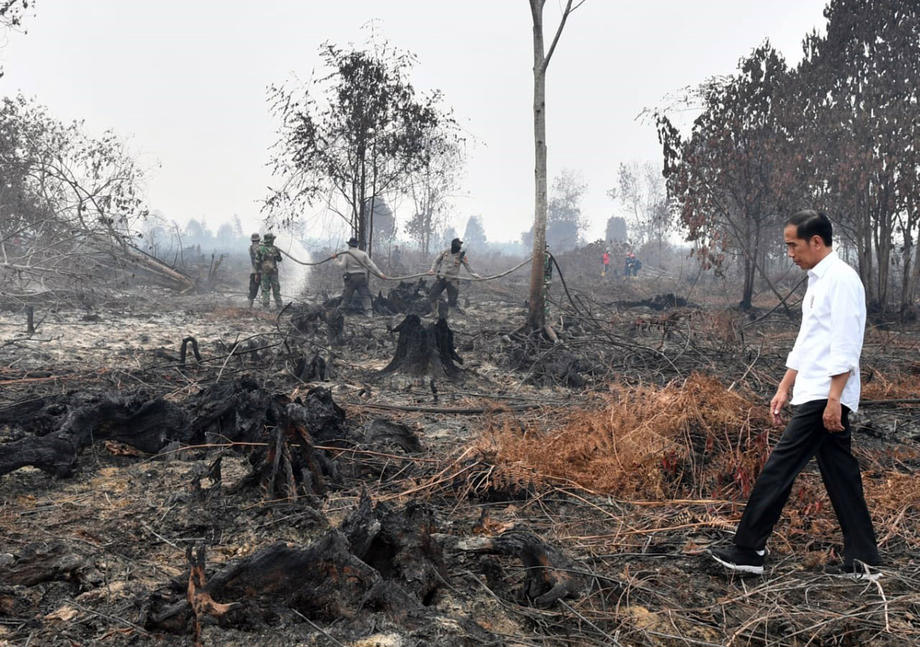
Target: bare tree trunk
[(883, 254), (536, 315), (361, 231), (914, 274)]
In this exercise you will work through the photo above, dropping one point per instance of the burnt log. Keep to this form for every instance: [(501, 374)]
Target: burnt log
[(424, 350), (278, 434), (39, 415), (49, 562), (323, 581), (551, 576), (147, 425), (386, 434), (398, 544)]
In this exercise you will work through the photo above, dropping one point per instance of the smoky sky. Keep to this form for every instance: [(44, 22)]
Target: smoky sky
[(184, 82)]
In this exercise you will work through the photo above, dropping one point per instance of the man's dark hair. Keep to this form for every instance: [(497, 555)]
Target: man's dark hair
[(810, 223)]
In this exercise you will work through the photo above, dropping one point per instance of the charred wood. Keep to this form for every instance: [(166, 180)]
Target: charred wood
[(147, 425), (424, 350), (551, 576)]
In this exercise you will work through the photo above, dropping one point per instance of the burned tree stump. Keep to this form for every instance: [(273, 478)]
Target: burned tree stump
[(322, 581), (383, 559), (147, 425), (399, 544), (277, 433), (424, 350), (307, 319), (311, 369), (406, 299), (551, 576)]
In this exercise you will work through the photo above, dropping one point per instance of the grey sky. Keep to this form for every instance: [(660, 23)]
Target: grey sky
[(184, 81)]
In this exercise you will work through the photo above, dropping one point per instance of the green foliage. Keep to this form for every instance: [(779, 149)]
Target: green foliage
[(838, 133), (357, 131)]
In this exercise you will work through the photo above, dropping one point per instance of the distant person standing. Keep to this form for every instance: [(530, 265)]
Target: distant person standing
[(446, 267), (634, 264), (356, 268), (396, 260), (823, 372), (268, 258), (255, 276), (605, 262)]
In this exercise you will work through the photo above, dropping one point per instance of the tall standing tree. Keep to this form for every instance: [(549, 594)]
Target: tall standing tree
[(357, 132), (432, 185), (541, 59), (859, 85), (564, 220), (732, 177), (475, 234), (643, 194)]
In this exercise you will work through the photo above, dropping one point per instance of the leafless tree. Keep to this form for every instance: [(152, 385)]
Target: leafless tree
[(541, 59)]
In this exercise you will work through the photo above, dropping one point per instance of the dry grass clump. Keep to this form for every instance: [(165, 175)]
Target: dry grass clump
[(691, 438), (894, 499), (886, 385)]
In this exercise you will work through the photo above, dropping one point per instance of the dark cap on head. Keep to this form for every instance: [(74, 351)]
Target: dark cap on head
[(352, 242), (269, 237), (254, 237)]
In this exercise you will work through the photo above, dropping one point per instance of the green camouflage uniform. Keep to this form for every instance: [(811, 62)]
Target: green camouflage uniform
[(267, 259), (255, 276)]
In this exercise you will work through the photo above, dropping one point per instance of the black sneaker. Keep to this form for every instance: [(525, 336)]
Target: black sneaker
[(740, 560), (857, 570)]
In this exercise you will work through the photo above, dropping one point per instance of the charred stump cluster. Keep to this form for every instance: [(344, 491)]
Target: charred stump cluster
[(382, 566)]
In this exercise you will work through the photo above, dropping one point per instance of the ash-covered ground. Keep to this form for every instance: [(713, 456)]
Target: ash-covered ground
[(281, 490)]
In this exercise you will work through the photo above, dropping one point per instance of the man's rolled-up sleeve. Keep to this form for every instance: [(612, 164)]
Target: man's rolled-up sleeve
[(847, 323), (793, 359)]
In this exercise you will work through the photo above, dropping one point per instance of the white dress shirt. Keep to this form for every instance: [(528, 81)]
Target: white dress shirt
[(830, 338)]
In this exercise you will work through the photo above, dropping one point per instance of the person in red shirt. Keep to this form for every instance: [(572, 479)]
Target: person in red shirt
[(605, 259)]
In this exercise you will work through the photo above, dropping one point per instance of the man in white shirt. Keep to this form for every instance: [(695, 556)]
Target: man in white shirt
[(823, 373)]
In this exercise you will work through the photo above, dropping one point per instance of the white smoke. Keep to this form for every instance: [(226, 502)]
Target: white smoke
[(294, 277)]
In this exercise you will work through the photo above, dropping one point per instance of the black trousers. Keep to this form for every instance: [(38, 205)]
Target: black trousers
[(356, 283), (255, 280), (804, 437), (439, 286)]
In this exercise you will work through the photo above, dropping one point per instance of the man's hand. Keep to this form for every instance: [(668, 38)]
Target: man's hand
[(776, 406), (832, 416), (431, 272), (383, 276)]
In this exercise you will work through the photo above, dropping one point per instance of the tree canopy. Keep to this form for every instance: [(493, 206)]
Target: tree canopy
[(358, 131)]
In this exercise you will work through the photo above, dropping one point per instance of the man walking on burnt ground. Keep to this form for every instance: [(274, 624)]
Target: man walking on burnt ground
[(356, 266), (267, 259), (823, 372), (255, 276), (447, 268)]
